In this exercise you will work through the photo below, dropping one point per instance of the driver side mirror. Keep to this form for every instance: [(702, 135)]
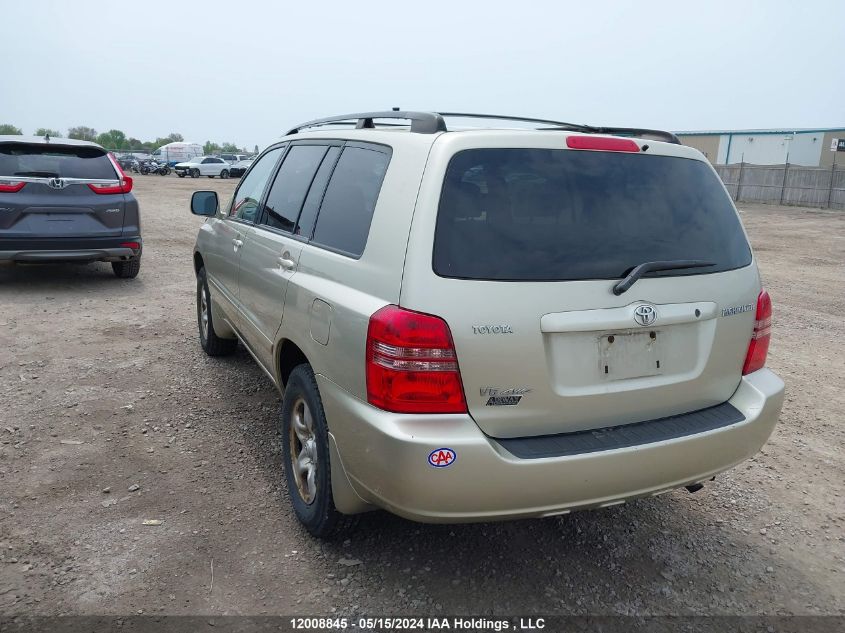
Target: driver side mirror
[(204, 203)]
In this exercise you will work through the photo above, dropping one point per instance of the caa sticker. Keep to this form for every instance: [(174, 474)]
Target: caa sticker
[(442, 457)]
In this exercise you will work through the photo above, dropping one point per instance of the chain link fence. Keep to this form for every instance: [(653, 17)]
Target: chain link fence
[(822, 187)]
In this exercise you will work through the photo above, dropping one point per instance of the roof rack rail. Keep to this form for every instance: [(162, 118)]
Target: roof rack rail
[(421, 122), (579, 127), (433, 122)]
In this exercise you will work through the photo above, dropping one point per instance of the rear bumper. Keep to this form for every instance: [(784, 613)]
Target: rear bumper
[(69, 249), (385, 458)]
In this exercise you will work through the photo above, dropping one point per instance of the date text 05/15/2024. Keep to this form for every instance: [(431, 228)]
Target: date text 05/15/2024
[(418, 624)]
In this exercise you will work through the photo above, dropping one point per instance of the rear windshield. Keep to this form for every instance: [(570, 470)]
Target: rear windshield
[(560, 215), (42, 161)]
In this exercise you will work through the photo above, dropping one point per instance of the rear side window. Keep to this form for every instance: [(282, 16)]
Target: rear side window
[(343, 223), (560, 215), (290, 186), (45, 161), (248, 195), (305, 225)]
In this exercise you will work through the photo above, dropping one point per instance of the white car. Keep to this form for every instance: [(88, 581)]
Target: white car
[(210, 166), (233, 158)]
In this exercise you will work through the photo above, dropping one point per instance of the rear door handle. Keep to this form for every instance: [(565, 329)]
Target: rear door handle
[(286, 263)]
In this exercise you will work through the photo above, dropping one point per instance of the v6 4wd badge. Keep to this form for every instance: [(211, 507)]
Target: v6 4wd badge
[(503, 397)]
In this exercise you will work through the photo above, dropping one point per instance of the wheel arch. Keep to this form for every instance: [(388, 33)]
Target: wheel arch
[(198, 262), (288, 357)]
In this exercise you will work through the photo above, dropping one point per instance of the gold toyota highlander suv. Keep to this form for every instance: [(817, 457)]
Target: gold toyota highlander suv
[(475, 324)]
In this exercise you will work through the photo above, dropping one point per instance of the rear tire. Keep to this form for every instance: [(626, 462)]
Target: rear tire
[(128, 269), (212, 344), (305, 447)]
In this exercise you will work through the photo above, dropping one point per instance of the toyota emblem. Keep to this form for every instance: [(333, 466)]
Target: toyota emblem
[(645, 314)]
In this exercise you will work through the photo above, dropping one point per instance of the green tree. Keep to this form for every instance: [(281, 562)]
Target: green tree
[(210, 148), (173, 137), (6, 128), (113, 139), (229, 148), (82, 133), (45, 131)]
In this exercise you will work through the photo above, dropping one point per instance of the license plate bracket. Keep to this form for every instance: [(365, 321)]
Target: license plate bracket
[(626, 355)]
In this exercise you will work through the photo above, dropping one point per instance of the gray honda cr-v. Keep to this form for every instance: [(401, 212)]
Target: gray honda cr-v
[(64, 200)]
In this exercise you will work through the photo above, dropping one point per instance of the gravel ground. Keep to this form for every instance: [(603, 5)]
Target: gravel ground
[(110, 415)]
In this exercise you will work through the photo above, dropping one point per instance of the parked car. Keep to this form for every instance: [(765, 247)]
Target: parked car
[(126, 161), (239, 169), (210, 166), (490, 324), (232, 158), (66, 201)]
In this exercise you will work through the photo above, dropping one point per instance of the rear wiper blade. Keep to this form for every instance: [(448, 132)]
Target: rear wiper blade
[(37, 174), (648, 267)]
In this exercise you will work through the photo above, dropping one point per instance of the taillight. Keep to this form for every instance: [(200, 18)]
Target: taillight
[(133, 245), (11, 186), (124, 184), (602, 143), (758, 348), (411, 363)]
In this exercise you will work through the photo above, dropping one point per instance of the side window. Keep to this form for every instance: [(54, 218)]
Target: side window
[(307, 218), (343, 223), (290, 186), (248, 194)]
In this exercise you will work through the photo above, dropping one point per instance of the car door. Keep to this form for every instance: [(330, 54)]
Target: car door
[(207, 167), (223, 235), (271, 251)]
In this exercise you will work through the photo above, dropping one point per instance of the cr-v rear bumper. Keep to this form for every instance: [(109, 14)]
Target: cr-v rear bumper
[(68, 249), (385, 459)]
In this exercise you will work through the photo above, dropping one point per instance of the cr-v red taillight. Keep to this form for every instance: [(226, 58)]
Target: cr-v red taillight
[(123, 185), (11, 186), (758, 348), (411, 363)]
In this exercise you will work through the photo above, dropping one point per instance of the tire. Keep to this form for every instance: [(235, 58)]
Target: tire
[(145, 171), (212, 344), (195, 173), (224, 174), (165, 171), (128, 269), (309, 487)]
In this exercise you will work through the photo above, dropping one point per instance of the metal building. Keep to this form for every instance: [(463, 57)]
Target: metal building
[(811, 147)]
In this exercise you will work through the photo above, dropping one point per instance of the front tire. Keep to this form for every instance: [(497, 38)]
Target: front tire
[(224, 174), (128, 269), (195, 173), (305, 447), (212, 344)]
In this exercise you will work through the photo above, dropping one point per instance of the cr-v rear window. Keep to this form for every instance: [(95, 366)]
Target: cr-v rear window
[(54, 161), (560, 215)]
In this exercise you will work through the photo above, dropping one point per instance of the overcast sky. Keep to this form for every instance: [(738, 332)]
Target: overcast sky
[(246, 70)]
